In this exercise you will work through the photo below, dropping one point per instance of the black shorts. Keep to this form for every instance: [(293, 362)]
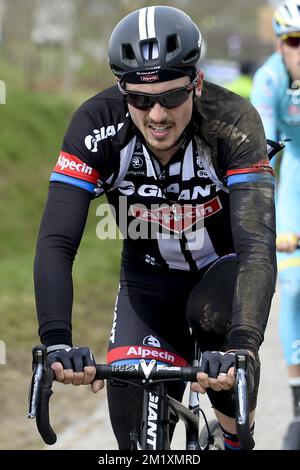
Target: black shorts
[(152, 321)]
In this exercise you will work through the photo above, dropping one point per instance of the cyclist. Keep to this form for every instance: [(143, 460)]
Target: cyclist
[(189, 159), (276, 95)]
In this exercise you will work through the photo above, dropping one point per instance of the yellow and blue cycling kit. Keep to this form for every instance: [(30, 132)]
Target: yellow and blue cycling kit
[(277, 99)]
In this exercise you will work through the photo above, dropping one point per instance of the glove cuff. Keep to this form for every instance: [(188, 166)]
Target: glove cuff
[(56, 347)]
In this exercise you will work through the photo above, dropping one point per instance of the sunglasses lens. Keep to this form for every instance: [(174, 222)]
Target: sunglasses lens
[(138, 101), (167, 100), (292, 41), (172, 100)]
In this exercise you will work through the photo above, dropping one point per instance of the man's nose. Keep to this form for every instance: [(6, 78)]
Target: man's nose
[(158, 112)]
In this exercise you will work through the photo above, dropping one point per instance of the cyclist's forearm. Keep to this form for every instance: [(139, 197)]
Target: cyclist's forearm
[(59, 237), (54, 295), (253, 226)]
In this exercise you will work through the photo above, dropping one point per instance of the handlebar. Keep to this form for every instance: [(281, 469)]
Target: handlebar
[(159, 373), (43, 376)]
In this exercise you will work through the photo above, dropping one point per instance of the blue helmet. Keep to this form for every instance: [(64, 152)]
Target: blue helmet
[(286, 19)]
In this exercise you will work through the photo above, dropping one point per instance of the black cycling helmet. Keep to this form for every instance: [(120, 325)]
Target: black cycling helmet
[(156, 43)]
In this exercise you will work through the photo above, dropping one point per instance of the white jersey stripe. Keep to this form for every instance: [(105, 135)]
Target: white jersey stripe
[(201, 247), (151, 22), (188, 164), (171, 252), (175, 169), (125, 159), (150, 168), (142, 24)]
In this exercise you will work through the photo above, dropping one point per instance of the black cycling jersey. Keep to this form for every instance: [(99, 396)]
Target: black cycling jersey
[(120, 164), (214, 197)]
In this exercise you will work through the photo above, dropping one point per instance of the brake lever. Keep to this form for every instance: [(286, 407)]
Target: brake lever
[(40, 393), (241, 400), (35, 387)]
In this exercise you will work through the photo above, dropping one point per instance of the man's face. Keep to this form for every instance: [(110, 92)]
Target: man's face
[(162, 127), (291, 57)]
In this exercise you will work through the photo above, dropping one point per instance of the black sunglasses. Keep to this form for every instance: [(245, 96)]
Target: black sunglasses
[(291, 41), (169, 99)]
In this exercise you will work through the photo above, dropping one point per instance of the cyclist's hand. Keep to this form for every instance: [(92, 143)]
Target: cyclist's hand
[(217, 371), (74, 366), (287, 242)]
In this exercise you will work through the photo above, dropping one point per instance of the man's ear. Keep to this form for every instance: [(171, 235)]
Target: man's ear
[(199, 85)]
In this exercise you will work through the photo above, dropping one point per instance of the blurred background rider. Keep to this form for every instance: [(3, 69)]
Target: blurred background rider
[(276, 95)]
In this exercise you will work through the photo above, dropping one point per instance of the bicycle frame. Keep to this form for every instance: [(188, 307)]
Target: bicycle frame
[(155, 419), (161, 410)]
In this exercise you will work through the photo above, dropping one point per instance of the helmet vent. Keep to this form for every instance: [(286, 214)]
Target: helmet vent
[(128, 55), (173, 46), (192, 56), (172, 43), (287, 10), (150, 49), (127, 52)]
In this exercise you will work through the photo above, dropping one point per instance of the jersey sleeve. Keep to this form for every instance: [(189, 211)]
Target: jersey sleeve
[(250, 180), (72, 170), (59, 237), (90, 151), (247, 158), (74, 165)]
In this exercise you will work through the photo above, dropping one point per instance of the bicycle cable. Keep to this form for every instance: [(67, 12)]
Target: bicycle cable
[(210, 439)]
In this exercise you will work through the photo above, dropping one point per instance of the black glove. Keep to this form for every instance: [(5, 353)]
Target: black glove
[(71, 358), (214, 363)]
